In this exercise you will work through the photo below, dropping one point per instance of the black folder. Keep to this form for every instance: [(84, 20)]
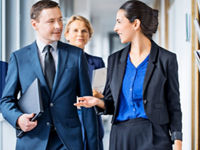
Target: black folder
[(31, 102)]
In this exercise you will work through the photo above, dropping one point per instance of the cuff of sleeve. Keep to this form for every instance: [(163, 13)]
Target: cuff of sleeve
[(16, 124), (99, 111), (176, 136), (17, 127)]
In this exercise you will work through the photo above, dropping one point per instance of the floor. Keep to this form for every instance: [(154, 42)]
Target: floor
[(107, 126)]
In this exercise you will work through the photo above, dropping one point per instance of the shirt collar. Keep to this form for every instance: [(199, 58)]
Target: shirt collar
[(41, 45)]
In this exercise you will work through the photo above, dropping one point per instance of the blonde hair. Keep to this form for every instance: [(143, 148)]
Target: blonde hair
[(80, 18)]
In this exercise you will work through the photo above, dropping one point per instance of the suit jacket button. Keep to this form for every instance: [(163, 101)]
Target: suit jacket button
[(51, 104), (145, 101), (48, 123)]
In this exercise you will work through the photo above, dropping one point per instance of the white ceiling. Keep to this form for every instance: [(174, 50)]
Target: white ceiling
[(104, 11), (110, 6)]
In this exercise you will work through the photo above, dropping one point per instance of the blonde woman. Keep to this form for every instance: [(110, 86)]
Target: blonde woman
[(78, 32)]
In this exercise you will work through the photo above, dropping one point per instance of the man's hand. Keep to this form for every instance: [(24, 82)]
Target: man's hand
[(25, 124)]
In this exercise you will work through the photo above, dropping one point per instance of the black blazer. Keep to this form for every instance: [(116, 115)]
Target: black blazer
[(160, 90)]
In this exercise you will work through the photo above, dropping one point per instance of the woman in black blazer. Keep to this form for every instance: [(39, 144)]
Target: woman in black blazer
[(142, 89)]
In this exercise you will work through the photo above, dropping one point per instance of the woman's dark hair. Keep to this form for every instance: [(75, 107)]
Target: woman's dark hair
[(39, 6), (147, 16)]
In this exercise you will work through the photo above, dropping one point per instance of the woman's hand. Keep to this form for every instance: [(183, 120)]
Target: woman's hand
[(97, 94), (177, 145), (89, 101)]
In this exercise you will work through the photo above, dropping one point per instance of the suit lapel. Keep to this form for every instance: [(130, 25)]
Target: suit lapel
[(91, 65), (90, 70), (118, 74), (35, 62), (151, 65), (62, 59)]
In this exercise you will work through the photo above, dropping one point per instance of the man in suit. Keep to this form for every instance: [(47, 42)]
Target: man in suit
[(62, 71)]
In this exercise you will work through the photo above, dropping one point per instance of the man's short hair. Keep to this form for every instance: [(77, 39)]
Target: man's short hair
[(39, 6)]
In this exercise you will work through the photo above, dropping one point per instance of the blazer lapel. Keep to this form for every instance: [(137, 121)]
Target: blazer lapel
[(151, 65), (35, 62), (62, 59), (90, 70), (118, 74)]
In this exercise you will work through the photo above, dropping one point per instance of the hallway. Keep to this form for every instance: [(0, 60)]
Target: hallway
[(176, 32)]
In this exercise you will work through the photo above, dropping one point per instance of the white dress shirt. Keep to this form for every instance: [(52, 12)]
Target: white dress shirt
[(42, 53)]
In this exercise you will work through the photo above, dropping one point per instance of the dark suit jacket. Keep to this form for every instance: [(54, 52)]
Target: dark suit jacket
[(94, 63), (71, 80), (160, 89), (3, 68)]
